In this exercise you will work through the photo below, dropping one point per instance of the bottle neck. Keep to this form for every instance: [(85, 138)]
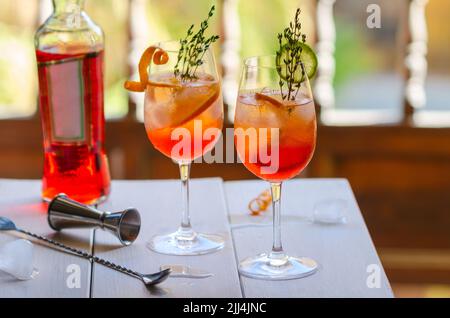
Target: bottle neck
[(68, 6)]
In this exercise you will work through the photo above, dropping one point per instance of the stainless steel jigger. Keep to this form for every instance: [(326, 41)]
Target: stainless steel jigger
[(64, 213)]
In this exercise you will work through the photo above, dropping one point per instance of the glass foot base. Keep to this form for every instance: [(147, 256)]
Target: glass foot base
[(262, 267), (198, 244)]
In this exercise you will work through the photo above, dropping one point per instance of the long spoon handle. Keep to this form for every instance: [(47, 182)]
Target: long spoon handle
[(84, 254)]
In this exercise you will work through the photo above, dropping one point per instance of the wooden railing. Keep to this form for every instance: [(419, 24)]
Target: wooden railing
[(413, 23), (415, 66)]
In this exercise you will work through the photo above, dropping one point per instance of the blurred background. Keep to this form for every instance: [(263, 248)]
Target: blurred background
[(385, 119)]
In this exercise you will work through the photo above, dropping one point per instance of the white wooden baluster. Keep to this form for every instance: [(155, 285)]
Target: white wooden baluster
[(230, 54), (326, 36), (415, 61), (140, 37)]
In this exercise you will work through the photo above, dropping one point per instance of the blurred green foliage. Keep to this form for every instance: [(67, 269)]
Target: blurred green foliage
[(18, 79), (352, 56)]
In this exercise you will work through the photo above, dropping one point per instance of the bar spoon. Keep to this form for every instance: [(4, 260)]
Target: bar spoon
[(148, 279)]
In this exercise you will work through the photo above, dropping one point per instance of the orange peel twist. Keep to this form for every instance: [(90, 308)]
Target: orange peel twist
[(159, 57), (261, 203)]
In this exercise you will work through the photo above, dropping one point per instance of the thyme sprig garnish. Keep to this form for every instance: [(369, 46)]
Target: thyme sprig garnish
[(192, 50), (289, 57)]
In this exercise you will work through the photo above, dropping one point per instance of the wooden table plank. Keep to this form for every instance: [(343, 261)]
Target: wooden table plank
[(159, 203), (343, 251), (20, 201)]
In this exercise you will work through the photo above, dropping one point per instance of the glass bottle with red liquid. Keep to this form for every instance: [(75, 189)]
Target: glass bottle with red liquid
[(70, 51)]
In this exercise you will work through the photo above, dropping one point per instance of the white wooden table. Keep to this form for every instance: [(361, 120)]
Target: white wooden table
[(345, 252)]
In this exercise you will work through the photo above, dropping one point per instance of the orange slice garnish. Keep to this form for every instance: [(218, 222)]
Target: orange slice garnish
[(274, 101), (159, 57), (193, 112)]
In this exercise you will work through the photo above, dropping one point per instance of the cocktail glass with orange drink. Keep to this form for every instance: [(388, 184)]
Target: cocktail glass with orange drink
[(275, 139), (183, 120)]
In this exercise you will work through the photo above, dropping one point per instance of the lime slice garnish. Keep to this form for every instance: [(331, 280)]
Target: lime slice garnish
[(307, 56)]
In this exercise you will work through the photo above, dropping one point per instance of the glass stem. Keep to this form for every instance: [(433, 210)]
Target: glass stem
[(277, 256), (185, 231)]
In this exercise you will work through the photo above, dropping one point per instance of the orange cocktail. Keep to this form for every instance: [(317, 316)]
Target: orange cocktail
[(284, 130), (178, 113), (183, 120), (275, 136), (183, 116)]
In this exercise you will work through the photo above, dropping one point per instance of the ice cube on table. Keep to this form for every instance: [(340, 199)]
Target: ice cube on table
[(330, 212), (16, 259)]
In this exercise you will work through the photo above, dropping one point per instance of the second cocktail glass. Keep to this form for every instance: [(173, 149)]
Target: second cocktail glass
[(275, 135), (183, 119)]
